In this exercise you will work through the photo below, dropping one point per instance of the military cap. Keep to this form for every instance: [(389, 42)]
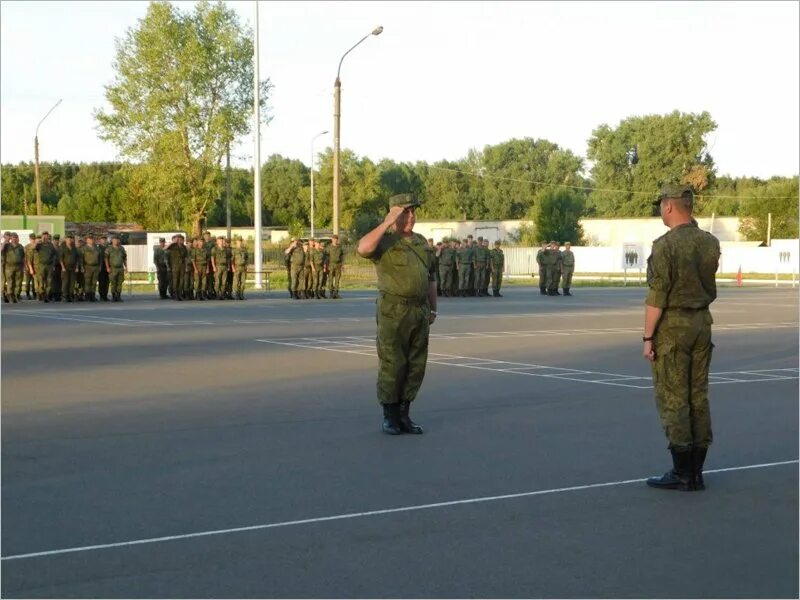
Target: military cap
[(162, 240), (206, 233), (57, 237), (69, 236), (675, 190), (7, 234), (89, 235), (497, 242), (480, 238), (404, 200), (220, 237), (32, 235)]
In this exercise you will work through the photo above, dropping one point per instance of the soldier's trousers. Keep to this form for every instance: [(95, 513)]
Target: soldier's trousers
[(542, 278), (163, 280), (296, 275), (55, 286), (497, 279), (446, 276), (68, 282), (210, 281), (115, 279), (80, 283), (318, 275), (200, 280), (334, 278), (102, 282), (402, 341), (176, 280), (566, 277), (12, 278), (680, 376), (29, 283), (229, 282), (188, 282), (239, 278), (553, 276), (90, 280), (308, 279), (464, 272), (44, 280), (220, 280), (480, 276)]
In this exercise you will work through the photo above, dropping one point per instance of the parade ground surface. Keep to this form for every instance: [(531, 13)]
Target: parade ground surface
[(233, 449)]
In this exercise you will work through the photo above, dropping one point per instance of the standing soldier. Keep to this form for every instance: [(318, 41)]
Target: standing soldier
[(481, 261), (498, 263), (90, 258), (68, 259), (297, 263), (435, 253), (209, 243), (677, 335), (199, 260), (177, 255), (317, 266), (240, 258), (542, 269), (335, 266), (102, 274), (555, 275), (229, 276), (456, 245), (287, 261), (406, 309), (14, 267), (3, 248), (43, 259), (117, 265), (325, 268), (29, 281), (567, 268), (220, 266), (446, 259), (550, 262), (466, 262), (308, 270), (55, 287), (188, 270), (160, 262), (80, 278)]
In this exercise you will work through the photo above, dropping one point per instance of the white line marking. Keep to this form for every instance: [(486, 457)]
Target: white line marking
[(81, 320), (369, 513)]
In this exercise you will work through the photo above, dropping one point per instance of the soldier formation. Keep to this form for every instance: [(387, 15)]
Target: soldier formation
[(311, 265), (555, 265), (204, 269), (72, 271), (468, 267)]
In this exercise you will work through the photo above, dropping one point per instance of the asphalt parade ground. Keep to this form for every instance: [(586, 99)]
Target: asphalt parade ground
[(233, 449)]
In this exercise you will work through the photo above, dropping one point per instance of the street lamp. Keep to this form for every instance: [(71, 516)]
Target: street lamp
[(337, 107), (36, 154), (312, 179)]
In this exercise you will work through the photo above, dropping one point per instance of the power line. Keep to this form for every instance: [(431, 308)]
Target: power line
[(594, 189)]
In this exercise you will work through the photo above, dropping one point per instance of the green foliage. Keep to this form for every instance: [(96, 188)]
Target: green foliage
[(557, 214), (182, 93), (525, 235), (779, 197), (671, 148)]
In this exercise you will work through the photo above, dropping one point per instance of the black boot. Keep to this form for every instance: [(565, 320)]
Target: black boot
[(391, 419), (681, 475), (566, 292), (698, 458), (406, 424), (542, 291), (5, 298)]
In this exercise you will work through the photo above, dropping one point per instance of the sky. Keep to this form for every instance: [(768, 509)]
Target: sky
[(442, 78)]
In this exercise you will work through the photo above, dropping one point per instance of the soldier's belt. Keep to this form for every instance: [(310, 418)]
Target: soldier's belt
[(684, 309), (392, 299)]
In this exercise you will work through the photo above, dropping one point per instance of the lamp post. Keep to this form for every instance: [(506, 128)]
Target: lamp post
[(312, 179), (258, 259), (36, 154), (337, 109)]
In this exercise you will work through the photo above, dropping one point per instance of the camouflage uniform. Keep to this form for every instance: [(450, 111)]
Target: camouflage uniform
[(68, 258), (13, 269), (117, 261), (44, 257), (221, 268), (177, 255), (335, 263), (297, 258), (318, 262), (542, 272), (466, 262), (481, 261), (30, 281), (567, 269), (405, 272), (447, 258), (498, 261), (201, 259), (240, 258), (90, 258)]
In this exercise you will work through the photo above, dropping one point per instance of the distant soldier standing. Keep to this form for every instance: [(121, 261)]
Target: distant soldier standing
[(287, 261), (240, 257), (542, 269), (44, 257), (80, 276), (55, 287), (90, 259), (436, 249), (551, 260), (567, 268), (406, 309), (162, 271), (209, 244), (297, 259), (102, 275), (308, 270), (335, 266), (177, 255), (317, 266), (677, 335), (498, 267), (466, 263), (117, 266), (481, 262), (68, 258), (188, 270), (3, 248), (14, 268), (229, 276), (447, 256), (220, 266), (200, 269), (29, 280)]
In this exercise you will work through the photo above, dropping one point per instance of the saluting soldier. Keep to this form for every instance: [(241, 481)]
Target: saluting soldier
[(90, 259), (240, 258), (297, 260), (406, 308), (68, 258), (117, 265), (677, 335), (335, 266)]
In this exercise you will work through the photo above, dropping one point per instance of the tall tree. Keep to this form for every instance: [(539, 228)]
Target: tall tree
[(557, 215), (182, 93), (668, 149)]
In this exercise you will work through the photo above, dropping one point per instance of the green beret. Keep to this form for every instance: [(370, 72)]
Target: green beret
[(32, 236), (57, 237), (404, 200)]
